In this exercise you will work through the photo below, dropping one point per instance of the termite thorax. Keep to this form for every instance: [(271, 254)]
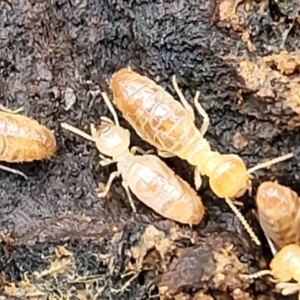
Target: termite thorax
[(208, 161)]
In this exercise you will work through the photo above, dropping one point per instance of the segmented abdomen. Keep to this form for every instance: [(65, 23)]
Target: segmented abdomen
[(279, 213), (156, 116), (158, 187), (23, 139)]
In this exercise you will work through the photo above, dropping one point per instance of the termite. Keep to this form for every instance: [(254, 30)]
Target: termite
[(279, 214), (169, 126), (284, 267), (23, 139), (147, 176)]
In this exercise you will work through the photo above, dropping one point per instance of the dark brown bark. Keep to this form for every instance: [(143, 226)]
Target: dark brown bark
[(220, 49)]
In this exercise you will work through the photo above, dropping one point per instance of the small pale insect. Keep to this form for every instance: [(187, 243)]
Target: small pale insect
[(23, 139), (284, 267), (148, 177), (169, 126), (279, 213)]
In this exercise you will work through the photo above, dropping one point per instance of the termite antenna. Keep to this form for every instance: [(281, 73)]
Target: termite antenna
[(270, 162), (256, 275), (77, 131), (243, 221), (111, 108)]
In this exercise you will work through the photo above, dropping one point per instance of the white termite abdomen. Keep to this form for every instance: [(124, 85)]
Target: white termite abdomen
[(158, 187)]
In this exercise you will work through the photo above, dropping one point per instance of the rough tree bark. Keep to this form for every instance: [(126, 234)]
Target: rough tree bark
[(59, 241)]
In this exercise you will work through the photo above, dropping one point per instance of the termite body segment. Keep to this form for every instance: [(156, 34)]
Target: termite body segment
[(24, 140), (279, 213), (169, 126), (157, 117), (148, 177), (284, 267), (158, 187)]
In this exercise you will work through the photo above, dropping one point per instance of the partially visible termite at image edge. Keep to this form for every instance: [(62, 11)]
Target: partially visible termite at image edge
[(284, 267), (147, 176), (279, 214), (169, 126), (23, 139)]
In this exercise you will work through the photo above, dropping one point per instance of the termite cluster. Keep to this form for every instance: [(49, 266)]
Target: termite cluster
[(169, 126), (279, 216)]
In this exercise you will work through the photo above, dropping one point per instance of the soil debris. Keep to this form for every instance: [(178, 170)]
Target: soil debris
[(276, 80), (211, 265)]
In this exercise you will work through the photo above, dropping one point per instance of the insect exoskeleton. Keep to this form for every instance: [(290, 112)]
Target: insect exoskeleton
[(23, 139), (148, 177), (169, 126), (284, 267), (279, 213)]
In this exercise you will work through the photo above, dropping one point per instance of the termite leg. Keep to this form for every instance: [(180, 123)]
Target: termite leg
[(126, 188), (189, 108), (288, 288), (249, 187), (111, 108), (186, 105), (11, 170), (165, 154), (197, 178), (112, 176), (243, 221), (105, 119), (272, 246), (202, 113), (93, 131), (237, 203), (15, 111), (136, 149), (106, 161)]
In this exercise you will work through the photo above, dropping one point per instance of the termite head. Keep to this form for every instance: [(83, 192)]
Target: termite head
[(229, 177), (284, 267), (286, 264), (110, 139)]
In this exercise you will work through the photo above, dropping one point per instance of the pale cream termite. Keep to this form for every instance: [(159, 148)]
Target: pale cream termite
[(279, 214), (23, 139), (148, 177), (169, 126), (284, 267)]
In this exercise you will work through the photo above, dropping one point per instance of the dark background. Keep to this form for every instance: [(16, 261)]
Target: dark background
[(55, 58)]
